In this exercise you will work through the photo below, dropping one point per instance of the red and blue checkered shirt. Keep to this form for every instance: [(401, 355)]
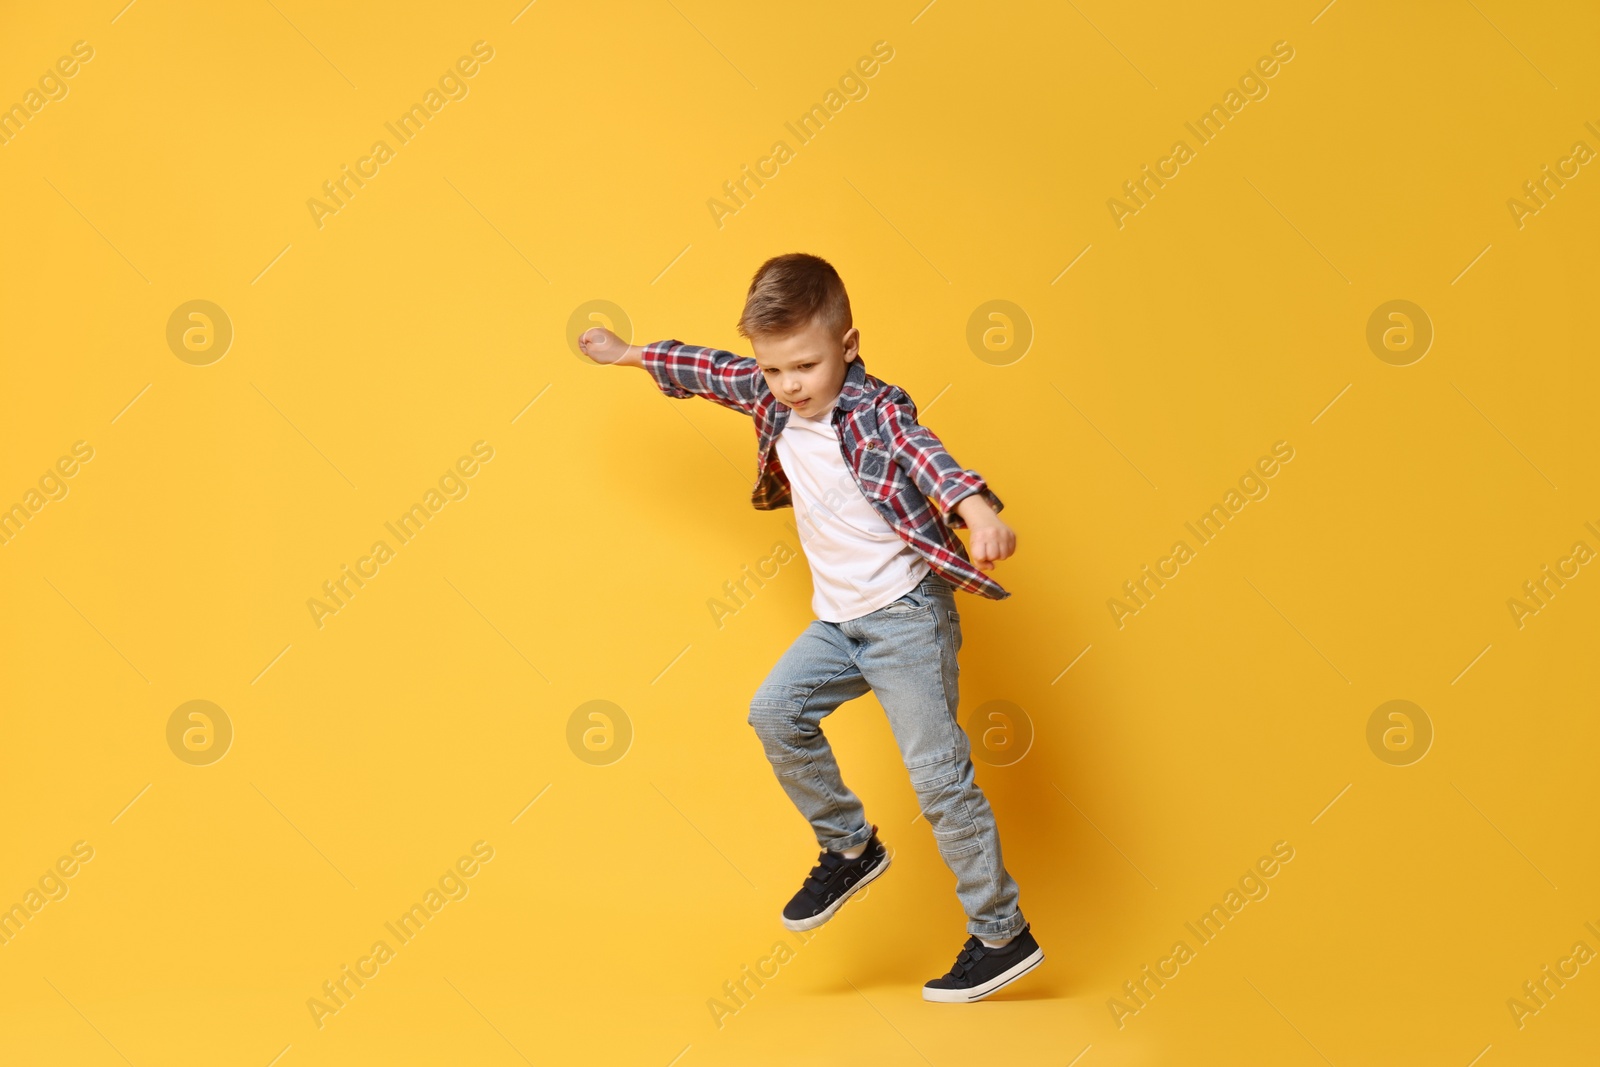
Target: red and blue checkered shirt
[(900, 465)]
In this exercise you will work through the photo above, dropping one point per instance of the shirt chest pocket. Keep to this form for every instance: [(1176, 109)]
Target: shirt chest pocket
[(876, 470)]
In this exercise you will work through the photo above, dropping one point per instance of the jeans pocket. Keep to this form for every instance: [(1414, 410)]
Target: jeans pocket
[(916, 602)]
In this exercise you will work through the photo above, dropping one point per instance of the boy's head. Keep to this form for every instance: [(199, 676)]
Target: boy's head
[(797, 317)]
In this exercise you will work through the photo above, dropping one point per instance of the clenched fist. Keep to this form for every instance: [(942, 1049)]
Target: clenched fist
[(989, 538), (603, 346), (988, 543)]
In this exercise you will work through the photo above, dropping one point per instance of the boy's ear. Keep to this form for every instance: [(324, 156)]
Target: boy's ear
[(852, 344)]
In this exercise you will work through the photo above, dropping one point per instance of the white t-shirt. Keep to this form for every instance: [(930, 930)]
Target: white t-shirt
[(858, 563)]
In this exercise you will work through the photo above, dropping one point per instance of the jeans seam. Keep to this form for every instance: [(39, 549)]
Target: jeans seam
[(946, 649), (833, 799), (993, 902), (811, 765)]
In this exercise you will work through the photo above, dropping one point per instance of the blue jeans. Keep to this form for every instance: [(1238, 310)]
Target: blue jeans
[(905, 652)]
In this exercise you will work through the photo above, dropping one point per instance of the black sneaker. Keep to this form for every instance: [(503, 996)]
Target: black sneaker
[(831, 883), (981, 970)]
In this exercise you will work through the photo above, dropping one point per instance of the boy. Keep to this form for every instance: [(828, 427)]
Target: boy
[(876, 497)]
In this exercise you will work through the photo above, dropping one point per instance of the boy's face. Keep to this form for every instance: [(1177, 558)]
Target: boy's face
[(805, 368)]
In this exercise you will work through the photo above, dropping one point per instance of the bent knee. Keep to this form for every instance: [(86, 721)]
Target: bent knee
[(946, 802), (773, 711)]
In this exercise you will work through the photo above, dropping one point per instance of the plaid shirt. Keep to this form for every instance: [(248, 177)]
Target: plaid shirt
[(899, 465)]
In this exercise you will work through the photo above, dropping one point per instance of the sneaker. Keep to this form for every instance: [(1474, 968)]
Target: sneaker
[(980, 970), (831, 883)]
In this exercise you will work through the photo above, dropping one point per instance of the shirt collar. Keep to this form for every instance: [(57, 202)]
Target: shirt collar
[(855, 384)]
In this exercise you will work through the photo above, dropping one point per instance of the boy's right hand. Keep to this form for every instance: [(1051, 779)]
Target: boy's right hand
[(603, 346)]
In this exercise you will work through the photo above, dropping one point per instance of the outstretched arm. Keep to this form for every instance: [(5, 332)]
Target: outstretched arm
[(681, 370)]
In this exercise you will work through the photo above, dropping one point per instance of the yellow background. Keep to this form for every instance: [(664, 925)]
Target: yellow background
[(432, 710)]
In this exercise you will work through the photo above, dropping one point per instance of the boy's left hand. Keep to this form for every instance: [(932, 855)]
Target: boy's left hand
[(991, 539)]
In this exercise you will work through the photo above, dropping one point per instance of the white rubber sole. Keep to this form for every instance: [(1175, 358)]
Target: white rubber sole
[(827, 913), (978, 992)]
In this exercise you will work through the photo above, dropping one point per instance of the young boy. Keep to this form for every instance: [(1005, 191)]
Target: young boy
[(876, 497)]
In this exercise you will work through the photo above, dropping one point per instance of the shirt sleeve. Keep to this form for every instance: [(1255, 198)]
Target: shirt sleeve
[(923, 456), (682, 371)]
